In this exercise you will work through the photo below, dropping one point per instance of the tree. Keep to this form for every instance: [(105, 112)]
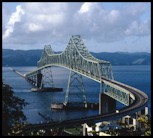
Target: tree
[(145, 124), (12, 106)]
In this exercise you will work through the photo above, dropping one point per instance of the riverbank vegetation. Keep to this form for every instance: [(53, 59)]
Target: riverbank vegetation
[(12, 114)]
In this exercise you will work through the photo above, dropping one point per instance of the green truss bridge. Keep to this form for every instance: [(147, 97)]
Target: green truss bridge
[(80, 62)]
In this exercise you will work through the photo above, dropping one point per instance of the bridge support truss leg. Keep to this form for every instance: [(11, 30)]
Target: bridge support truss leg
[(106, 104), (74, 87), (32, 79), (47, 78)]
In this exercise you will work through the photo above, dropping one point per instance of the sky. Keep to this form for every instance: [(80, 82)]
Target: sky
[(103, 26)]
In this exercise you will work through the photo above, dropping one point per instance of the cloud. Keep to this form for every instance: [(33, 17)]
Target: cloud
[(34, 27), (138, 28), (54, 23), (5, 17), (88, 7), (15, 17)]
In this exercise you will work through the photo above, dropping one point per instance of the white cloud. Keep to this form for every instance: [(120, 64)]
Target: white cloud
[(34, 27), (55, 22), (138, 28), (5, 17), (15, 17), (113, 15), (87, 7)]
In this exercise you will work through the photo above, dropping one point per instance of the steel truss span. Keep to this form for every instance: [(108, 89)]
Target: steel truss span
[(77, 59)]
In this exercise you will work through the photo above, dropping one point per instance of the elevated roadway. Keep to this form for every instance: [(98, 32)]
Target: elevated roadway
[(77, 59), (140, 102)]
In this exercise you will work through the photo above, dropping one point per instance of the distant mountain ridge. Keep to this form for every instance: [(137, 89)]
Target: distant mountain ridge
[(125, 58), (30, 57)]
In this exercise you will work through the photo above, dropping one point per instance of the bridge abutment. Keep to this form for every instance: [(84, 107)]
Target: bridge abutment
[(106, 104)]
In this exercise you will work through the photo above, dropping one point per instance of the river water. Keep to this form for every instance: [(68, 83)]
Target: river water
[(136, 76)]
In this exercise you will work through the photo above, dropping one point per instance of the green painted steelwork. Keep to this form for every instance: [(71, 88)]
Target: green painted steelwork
[(77, 59), (47, 79), (75, 87)]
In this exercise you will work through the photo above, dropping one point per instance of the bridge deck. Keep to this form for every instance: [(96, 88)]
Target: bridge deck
[(77, 58), (140, 103)]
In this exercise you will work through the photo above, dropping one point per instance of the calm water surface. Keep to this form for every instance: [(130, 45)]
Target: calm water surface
[(136, 76)]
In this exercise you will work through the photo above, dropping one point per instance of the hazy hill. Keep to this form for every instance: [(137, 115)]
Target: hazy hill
[(123, 58), (30, 57)]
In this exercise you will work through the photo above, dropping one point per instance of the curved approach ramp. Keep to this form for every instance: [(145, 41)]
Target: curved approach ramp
[(77, 59)]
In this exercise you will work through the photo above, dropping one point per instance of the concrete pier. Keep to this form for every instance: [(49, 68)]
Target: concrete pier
[(106, 104), (39, 79)]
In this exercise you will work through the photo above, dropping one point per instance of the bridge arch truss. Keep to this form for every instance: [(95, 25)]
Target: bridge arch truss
[(77, 58)]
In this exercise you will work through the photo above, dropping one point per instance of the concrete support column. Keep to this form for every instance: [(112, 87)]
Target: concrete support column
[(39, 79), (106, 104)]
